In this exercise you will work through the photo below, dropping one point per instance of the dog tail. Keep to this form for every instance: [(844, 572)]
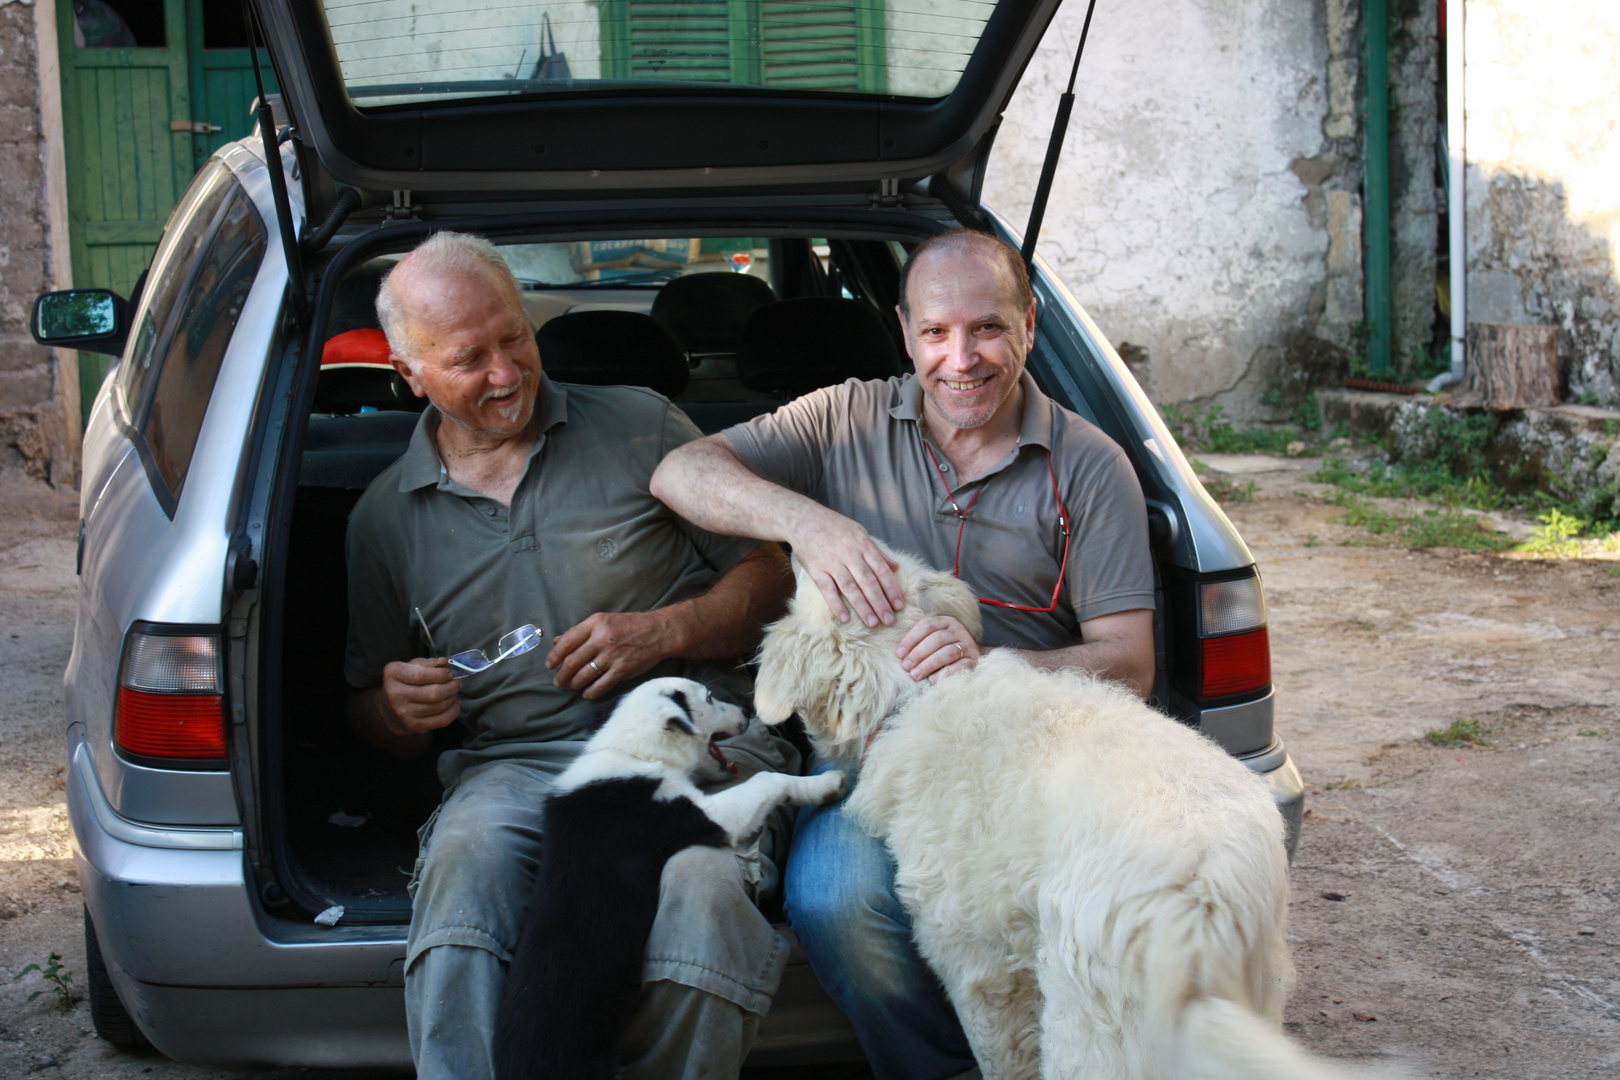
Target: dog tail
[(1223, 1040)]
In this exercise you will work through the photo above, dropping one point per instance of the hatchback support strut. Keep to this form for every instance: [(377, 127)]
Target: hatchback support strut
[(1054, 148), (278, 181)]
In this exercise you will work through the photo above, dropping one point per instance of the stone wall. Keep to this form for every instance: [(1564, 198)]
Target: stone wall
[(34, 432), (1543, 185)]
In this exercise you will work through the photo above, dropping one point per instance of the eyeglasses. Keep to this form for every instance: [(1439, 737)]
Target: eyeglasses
[(473, 661), (962, 516)]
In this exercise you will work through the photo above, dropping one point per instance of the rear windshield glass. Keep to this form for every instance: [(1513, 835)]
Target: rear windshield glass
[(399, 51)]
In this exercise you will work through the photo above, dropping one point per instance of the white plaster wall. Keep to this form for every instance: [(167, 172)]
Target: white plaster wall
[(1175, 217), (1543, 150)]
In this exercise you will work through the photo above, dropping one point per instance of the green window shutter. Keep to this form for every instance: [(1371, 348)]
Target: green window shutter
[(822, 44), (803, 44)]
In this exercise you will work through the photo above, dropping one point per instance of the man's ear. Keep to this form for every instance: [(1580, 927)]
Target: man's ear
[(406, 373), (905, 331)]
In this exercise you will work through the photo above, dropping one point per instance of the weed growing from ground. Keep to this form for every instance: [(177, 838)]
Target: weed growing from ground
[(1460, 733), (56, 975), (1556, 535)]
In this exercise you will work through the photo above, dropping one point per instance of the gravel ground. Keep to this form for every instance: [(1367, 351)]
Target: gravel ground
[(1454, 907)]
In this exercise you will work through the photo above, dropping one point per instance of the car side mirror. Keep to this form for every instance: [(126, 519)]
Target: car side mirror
[(96, 320)]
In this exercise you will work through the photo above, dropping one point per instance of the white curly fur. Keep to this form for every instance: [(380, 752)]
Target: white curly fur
[(1101, 889)]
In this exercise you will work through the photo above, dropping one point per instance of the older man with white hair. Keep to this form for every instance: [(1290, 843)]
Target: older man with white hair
[(524, 503)]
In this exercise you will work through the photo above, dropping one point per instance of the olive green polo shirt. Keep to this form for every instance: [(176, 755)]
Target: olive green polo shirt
[(859, 449), (582, 535)]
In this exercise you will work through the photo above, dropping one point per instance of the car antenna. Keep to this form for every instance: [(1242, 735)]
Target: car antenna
[(1054, 148), (278, 182)]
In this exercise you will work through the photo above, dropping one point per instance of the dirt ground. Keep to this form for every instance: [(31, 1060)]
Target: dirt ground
[(1454, 908)]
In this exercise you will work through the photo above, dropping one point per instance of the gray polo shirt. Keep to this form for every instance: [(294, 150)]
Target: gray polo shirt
[(582, 535), (859, 449)]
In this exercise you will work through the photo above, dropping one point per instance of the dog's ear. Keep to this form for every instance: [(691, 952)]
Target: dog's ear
[(938, 593), (773, 697), (681, 722)]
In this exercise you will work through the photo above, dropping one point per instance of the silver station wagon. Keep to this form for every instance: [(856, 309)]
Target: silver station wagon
[(696, 197)]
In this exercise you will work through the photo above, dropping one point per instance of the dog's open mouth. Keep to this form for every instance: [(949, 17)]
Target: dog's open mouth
[(720, 756)]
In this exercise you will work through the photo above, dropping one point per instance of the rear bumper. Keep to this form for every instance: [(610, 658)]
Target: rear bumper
[(209, 977), (212, 980), (1277, 769)]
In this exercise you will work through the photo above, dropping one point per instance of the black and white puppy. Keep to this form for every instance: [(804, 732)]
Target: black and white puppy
[(627, 805)]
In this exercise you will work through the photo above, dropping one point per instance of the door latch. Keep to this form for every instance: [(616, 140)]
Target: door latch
[(888, 193), (196, 127)]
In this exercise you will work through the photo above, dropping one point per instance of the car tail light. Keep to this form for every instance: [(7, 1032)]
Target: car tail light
[(171, 704), (1234, 646)]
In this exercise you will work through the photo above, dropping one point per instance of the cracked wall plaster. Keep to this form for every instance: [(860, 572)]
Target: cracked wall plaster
[(1178, 217)]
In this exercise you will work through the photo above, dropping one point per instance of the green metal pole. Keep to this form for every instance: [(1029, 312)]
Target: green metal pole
[(1377, 243)]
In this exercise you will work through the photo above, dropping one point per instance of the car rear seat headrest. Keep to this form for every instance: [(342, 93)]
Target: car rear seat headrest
[(707, 312), (612, 348), (356, 376), (795, 346)]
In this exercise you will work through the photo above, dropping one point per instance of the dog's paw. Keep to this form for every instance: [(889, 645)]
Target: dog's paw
[(833, 787)]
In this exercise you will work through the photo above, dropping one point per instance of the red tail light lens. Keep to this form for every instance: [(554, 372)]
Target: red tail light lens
[(170, 700), (1234, 645), (1236, 664)]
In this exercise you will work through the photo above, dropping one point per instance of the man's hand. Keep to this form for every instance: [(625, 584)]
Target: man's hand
[(938, 646), (848, 567), (419, 696), (608, 648), (416, 698)]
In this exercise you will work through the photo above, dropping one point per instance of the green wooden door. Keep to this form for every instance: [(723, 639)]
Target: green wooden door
[(137, 126)]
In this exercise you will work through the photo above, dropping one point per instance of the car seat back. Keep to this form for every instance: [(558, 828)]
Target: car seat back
[(612, 348), (795, 346)]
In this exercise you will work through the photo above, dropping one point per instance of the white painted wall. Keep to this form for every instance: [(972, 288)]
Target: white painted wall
[(1175, 217)]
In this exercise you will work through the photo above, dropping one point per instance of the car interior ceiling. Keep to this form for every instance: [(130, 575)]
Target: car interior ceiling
[(724, 346)]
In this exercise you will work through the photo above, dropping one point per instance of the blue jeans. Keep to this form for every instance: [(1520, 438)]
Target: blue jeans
[(840, 898)]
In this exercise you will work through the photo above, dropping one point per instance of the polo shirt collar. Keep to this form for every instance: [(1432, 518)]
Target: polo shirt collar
[(1036, 429), (420, 466)]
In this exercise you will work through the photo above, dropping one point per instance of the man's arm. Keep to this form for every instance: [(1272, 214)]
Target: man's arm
[(725, 621), (707, 483), (1117, 646)]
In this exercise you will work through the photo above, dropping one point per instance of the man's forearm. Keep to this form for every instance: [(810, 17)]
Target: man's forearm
[(727, 620), (707, 484), (1121, 648)]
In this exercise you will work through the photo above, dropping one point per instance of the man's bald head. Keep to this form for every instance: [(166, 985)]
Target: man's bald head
[(442, 255), (970, 242)]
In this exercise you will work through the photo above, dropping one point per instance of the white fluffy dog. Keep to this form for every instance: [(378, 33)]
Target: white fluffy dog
[(1100, 888)]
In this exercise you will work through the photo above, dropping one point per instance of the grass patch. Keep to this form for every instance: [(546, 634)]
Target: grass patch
[(1225, 490), (1590, 733), (1209, 430), (1432, 527), (1611, 571), (1460, 733)]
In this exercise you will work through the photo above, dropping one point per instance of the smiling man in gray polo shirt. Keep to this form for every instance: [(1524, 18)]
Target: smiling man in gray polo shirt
[(970, 466), (521, 501)]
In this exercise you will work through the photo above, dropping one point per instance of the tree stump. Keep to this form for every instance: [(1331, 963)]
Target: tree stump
[(1512, 366)]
